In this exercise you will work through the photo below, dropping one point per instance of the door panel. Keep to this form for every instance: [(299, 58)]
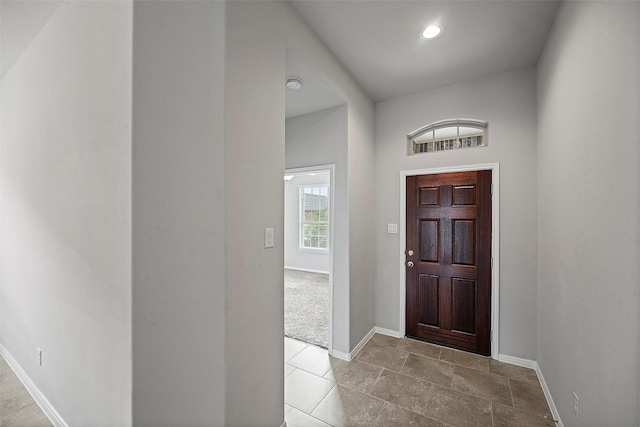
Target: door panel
[(449, 276), (463, 241), (464, 304), (464, 195), (429, 240), (430, 196), (429, 289)]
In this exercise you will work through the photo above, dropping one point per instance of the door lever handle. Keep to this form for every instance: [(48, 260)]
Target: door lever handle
[(410, 264)]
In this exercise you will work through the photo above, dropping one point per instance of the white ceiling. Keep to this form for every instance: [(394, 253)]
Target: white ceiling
[(315, 94), (379, 41)]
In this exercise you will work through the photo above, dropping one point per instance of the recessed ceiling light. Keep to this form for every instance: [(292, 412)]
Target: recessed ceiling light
[(432, 31), (294, 83)]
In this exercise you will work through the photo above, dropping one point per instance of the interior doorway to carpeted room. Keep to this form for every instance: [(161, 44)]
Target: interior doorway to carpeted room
[(307, 254)]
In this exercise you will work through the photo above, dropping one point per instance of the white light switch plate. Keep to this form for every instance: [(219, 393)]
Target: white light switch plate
[(392, 228), (268, 238)]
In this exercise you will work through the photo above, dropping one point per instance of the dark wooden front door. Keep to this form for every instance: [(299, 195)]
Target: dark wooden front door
[(448, 259)]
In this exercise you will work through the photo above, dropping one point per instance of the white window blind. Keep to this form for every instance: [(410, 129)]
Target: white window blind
[(314, 218)]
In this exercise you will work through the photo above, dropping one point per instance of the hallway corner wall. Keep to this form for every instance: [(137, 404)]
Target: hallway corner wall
[(589, 205), (66, 211), (179, 226), (255, 155)]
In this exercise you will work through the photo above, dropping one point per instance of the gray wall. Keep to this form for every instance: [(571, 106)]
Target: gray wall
[(589, 206), (294, 257), (361, 158), (178, 217), (255, 132), (1, 187), (66, 211), (507, 101)]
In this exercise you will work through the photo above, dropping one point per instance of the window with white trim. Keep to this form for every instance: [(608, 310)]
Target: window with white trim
[(452, 134), (314, 218)]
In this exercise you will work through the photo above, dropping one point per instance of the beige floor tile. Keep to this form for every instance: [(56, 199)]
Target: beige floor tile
[(518, 373), (29, 416), (506, 416), (385, 340), (458, 409), (304, 391), (463, 358), (419, 347), (296, 418), (405, 382), (6, 374), (312, 359), (407, 392), (292, 347), (17, 407), (394, 416), (346, 407), (482, 384), (428, 369), (8, 377), (385, 357), (13, 397), (355, 375), (529, 397)]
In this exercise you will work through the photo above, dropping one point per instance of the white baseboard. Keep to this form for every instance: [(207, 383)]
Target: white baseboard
[(340, 355), (35, 392), (532, 364), (363, 341), (518, 361), (388, 332), (547, 394), (308, 270), (350, 356), (361, 344), (284, 424)]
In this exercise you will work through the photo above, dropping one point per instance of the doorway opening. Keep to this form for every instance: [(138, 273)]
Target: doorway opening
[(308, 254), (315, 141)]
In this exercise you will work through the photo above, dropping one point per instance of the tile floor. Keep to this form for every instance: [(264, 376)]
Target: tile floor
[(403, 382), (391, 382), (17, 407)]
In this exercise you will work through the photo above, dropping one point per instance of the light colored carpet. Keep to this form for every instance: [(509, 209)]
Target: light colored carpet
[(306, 307)]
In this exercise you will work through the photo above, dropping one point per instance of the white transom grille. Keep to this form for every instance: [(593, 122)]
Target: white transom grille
[(446, 135)]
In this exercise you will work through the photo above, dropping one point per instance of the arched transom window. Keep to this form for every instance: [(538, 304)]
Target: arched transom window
[(452, 134)]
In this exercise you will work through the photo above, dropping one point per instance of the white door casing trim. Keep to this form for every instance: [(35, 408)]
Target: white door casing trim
[(495, 242)]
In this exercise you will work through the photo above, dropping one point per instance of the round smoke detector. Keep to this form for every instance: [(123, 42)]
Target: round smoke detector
[(294, 83)]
